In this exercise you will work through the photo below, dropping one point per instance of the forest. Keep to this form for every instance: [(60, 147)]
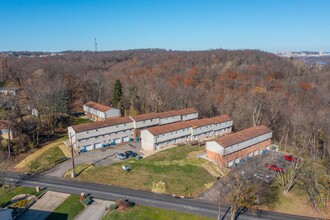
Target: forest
[(253, 87)]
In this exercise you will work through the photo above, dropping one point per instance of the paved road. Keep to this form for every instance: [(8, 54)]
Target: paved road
[(106, 192)]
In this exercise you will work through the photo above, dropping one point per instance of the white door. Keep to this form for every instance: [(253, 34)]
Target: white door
[(267, 147), (89, 147), (237, 160), (256, 153), (97, 145), (125, 139), (230, 163), (250, 155), (117, 141)]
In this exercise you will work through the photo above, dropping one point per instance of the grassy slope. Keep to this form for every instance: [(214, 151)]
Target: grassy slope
[(6, 196), (68, 209), (81, 120), (33, 156), (45, 161), (149, 213), (182, 174)]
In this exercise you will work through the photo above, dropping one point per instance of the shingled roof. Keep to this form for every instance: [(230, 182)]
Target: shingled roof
[(101, 124), (169, 128), (97, 106), (241, 136), (146, 116), (177, 112)]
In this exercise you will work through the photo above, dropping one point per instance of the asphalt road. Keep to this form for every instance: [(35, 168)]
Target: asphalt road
[(107, 192)]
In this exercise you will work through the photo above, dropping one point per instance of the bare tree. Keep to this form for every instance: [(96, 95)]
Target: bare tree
[(289, 178)]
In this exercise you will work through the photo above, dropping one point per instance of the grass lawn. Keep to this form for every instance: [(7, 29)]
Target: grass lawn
[(149, 213), (81, 120), (46, 160), (174, 171), (68, 209), (6, 196), (36, 154)]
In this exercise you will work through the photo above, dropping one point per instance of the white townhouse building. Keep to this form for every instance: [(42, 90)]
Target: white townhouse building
[(112, 131), (159, 136), (9, 91), (96, 135), (177, 115), (99, 112)]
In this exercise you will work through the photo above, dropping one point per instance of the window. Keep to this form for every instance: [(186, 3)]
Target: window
[(150, 120), (97, 130), (116, 126), (144, 122), (86, 132), (125, 124)]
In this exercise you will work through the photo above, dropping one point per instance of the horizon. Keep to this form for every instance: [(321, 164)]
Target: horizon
[(270, 26)]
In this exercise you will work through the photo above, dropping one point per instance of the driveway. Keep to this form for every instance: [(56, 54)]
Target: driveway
[(44, 206), (99, 157), (94, 211)]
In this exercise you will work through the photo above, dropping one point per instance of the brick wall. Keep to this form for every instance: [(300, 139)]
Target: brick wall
[(242, 154)]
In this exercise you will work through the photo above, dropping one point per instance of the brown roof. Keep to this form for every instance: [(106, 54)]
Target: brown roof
[(244, 135), (97, 106), (145, 116), (220, 119), (209, 121), (168, 128), (101, 124), (177, 112)]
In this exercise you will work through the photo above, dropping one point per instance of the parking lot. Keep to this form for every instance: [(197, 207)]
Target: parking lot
[(256, 166), (99, 157)]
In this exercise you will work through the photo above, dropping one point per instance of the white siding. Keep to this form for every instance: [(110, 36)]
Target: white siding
[(173, 135), (112, 113), (104, 135), (169, 120), (203, 130), (94, 111), (146, 123), (148, 140), (214, 147), (190, 117), (248, 143)]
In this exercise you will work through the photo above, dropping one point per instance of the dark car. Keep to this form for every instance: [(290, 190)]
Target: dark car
[(121, 156), (130, 153)]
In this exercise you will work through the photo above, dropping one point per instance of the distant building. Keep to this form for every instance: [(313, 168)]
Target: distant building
[(5, 129), (157, 137), (99, 112), (232, 148), (9, 91)]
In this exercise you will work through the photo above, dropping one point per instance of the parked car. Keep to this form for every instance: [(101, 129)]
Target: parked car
[(274, 168), (289, 158), (121, 156), (131, 153)]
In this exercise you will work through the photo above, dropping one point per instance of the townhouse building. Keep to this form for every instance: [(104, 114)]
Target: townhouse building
[(157, 137), (233, 148), (112, 131), (99, 112)]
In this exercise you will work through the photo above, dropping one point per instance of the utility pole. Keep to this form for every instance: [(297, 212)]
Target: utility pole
[(95, 45), (73, 174)]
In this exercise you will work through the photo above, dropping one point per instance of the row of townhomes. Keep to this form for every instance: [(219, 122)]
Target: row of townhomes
[(160, 136), (157, 130), (116, 130), (243, 145), (99, 112)]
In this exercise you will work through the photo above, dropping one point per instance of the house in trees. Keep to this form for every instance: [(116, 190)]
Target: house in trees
[(9, 91), (231, 149), (157, 137), (99, 112), (117, 130), (6, 130)]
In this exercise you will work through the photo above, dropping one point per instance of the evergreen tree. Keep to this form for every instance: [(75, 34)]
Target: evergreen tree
[(117, 94)]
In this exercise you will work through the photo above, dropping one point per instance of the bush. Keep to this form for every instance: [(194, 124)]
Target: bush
[(113, 207)]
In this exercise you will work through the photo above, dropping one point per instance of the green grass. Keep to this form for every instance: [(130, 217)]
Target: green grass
[(149, 213), (81, 120), (177, 167), (68, 209), (6, 196), (46, 160)]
